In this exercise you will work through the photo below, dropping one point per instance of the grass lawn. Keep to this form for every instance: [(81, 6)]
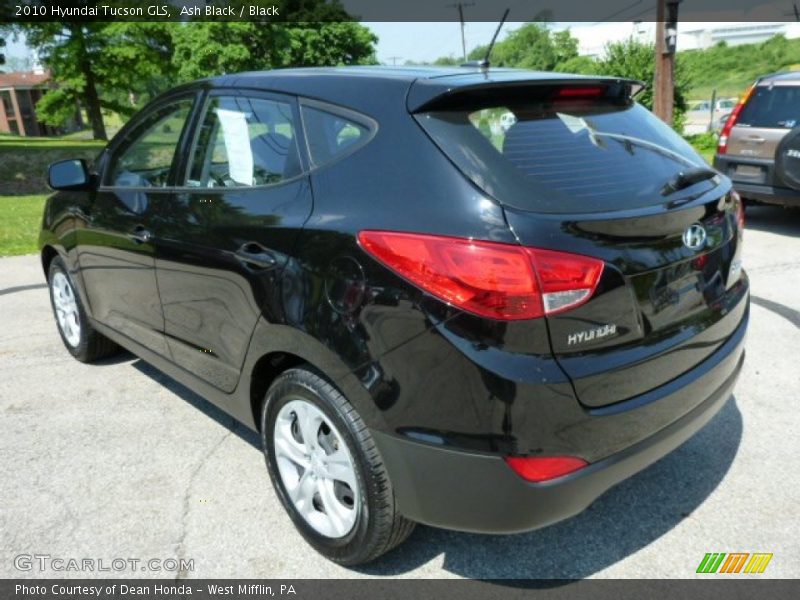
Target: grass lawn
[(23, 185), (20, 218)]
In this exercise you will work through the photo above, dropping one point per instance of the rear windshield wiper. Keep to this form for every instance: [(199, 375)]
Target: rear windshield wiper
[(687, 178), (578, 124)]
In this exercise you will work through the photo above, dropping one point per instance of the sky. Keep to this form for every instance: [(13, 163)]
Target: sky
[(421, 42)]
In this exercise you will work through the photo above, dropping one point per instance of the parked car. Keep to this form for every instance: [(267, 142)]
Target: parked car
[(751, 139), (424, 322)]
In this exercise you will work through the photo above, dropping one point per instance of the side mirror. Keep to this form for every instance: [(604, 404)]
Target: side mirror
[(69, 175)]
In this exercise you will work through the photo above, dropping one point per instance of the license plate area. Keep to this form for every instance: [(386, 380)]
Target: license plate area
[(750, 172)]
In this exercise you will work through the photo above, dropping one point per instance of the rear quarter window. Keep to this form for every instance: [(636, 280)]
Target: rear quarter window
[(332, 133)]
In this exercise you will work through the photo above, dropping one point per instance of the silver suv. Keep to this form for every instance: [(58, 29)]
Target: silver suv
[(755, 139)]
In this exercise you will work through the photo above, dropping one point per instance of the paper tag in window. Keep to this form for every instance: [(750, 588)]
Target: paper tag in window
[(237, 145)]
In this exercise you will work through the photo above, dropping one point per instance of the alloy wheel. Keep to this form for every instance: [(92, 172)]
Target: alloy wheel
[(316, 468), (66, 308)]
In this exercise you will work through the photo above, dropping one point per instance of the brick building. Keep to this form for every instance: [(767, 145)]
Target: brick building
[(19, 93)]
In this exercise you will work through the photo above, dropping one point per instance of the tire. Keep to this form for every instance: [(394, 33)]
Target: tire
[(80, 339), (375, 526)]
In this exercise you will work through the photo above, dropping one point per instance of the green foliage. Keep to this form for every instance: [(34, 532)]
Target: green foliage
[(532, 46), (447, 61), (731, 69), (118, 66), (100, 65), (705, 144), (311, 33)]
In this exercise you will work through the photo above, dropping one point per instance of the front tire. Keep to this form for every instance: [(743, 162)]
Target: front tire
[(327, 471), (81, 340)]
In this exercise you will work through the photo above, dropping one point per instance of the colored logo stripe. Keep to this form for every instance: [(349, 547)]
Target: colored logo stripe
[(758, 562), (713, 562), (734, 562), (710, 562)]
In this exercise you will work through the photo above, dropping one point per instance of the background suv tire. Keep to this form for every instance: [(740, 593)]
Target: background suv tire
[(327, 470)]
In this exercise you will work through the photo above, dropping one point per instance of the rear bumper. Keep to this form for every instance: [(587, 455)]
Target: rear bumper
[(761, 187), (478, 492), (768, 194)]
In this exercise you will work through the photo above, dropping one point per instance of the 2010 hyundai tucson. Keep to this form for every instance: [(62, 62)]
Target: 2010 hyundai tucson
[(473, 299)]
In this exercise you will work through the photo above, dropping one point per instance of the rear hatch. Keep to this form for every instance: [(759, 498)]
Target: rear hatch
[(580, 167), (749, 141)]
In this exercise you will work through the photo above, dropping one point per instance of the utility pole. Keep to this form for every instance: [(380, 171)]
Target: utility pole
[(394, 59), (461, 6), (666, 41)]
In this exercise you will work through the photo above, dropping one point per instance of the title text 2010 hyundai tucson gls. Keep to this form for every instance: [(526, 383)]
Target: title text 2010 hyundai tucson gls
[(472, 299)]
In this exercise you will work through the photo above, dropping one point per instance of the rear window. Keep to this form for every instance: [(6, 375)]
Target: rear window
[(772, 106), (564, 156)]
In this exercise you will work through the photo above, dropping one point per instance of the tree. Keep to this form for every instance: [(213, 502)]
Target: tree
[(532, 46), (216, 47), (634, 59), (308, 33), (98, 65)]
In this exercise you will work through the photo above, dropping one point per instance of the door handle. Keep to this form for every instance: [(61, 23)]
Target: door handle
[(141, 235), (255, 256), (755, 139)]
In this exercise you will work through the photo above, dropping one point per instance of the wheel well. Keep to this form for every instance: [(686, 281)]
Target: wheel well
[(264, 373), (48, 254)]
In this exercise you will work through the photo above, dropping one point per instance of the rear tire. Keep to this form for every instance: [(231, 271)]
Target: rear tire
[(358, 502), (81, 340)]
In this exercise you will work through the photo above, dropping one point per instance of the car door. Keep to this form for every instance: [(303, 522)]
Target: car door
[(117, 250), (223, 239)]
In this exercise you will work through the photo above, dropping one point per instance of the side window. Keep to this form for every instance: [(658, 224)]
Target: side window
[(146, 160), (244, 142), (330, 135)]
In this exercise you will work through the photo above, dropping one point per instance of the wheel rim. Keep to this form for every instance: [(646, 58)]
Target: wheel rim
[(316, 468), (66, 308)]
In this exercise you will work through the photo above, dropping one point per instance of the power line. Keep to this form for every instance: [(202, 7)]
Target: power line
[(619, 12)]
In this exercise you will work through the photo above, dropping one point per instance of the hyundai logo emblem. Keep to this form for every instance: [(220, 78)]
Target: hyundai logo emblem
[(694, 237)]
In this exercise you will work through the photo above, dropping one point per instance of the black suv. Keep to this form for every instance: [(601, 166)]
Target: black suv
[(467, 298)]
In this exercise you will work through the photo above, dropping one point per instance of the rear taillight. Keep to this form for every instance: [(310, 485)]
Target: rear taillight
[(739, 212), (498, 281), (722, 145), (543, 468)]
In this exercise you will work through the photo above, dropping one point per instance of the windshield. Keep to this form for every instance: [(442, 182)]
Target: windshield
[(565, 157)]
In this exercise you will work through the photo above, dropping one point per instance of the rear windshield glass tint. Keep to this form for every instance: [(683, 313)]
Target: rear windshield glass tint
[(565, 157), (775, 106)]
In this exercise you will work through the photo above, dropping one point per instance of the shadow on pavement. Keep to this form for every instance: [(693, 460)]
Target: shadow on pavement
[(200, 403), (774, 219), (627, 518)]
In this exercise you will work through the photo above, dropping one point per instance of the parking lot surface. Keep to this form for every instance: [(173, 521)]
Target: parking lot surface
[(115, 460)]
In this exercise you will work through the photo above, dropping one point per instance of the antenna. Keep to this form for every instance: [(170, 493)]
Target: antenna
[(484, 64)]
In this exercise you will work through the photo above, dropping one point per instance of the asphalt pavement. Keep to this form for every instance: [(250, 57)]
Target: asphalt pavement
[(117, 461)]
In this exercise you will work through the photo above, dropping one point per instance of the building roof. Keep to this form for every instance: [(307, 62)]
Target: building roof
[(23, 79)]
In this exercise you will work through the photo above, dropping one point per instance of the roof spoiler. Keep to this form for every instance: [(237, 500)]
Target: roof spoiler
[(445, 92)]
